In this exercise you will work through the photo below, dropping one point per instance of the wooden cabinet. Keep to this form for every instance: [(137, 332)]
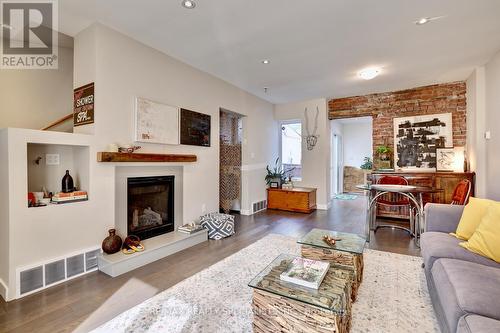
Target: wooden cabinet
[(445, 181), (299, 199)]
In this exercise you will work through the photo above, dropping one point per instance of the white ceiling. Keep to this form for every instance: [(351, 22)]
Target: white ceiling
[(316, 47)]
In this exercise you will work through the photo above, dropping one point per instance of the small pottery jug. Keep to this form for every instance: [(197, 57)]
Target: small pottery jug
[(67, 183), (112, 243)]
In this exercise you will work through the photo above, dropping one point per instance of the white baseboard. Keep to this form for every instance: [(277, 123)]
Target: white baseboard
[(324, 207), (4, 291), (245, 212)]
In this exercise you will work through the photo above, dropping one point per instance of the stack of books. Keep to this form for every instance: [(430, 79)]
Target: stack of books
[(190, 228), (306, 272), (69, 197)]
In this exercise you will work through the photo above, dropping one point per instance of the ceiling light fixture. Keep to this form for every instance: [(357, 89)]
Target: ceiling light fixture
[(369, 73), (266, 61), (189, 4), (425, 20)]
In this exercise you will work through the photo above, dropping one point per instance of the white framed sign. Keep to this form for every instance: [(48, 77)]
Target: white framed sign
[(156, 122)]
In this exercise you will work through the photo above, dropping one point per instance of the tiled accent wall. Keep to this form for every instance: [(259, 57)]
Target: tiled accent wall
[(384, 107), (230, 160)]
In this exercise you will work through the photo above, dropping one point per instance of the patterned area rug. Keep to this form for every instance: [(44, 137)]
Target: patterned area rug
[(345, 196), (393, 296)]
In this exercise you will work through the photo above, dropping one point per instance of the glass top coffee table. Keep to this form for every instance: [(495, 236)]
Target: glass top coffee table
[(348, 242), (347, 252), (278, 303)]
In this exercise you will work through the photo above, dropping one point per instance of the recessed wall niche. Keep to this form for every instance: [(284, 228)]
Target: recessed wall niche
[(47, 164)]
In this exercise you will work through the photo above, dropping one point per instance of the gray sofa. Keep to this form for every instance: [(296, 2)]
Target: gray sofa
[(464, 286)]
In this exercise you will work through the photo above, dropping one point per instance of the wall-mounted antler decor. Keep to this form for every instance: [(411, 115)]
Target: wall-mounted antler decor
[(311, 139)]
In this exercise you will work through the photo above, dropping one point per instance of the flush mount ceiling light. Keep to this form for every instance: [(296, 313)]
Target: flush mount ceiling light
[(425, 20), (266, 61), (189, 4), (369, 73)]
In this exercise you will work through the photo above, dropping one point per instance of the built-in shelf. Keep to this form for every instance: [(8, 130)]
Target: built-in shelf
[(140, 157)]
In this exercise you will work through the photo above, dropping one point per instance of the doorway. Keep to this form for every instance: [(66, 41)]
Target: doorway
[(230, 137), (351, 149)]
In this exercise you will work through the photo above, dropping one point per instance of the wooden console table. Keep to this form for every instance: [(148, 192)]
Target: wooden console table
[(298, 199)]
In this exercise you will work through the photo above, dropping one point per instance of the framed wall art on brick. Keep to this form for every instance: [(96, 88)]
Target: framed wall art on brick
[(417, 138)]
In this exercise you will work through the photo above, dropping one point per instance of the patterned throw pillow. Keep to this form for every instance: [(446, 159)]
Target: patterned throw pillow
[(218, 225)]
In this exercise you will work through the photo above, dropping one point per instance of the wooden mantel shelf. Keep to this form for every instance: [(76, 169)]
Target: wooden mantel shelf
[(139, 157)]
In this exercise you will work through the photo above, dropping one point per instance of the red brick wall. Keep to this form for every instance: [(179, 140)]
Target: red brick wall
[(383, 107)]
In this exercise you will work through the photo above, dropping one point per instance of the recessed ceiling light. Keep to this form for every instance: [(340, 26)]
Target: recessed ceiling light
[(369, 73), (189, 4), (266, 61), (422, 21), (425, 20)]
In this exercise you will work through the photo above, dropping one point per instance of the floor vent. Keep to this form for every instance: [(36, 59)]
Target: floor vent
[(43, 275), (258, 206)]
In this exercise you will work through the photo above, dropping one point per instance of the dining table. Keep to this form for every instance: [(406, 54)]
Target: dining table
[(413, 193)]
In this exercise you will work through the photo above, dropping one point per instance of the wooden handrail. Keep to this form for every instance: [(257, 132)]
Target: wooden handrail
[(58, 122)]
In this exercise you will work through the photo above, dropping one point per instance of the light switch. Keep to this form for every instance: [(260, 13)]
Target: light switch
[(487, 135), (52, 159)]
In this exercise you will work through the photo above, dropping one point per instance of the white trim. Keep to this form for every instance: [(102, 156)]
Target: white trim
[(251, 167), (324, 207), (4, 291), (245, 212)]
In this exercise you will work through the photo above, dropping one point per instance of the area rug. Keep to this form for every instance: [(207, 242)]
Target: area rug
[(393, 296), (345, 196)]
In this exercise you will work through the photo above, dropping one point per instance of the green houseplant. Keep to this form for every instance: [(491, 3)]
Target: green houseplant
[(277, 173), (384, 153), (368, 164)]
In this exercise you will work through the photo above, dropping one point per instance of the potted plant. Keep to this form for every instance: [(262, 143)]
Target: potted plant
[(277, 174), (384, 153), (368, 164)]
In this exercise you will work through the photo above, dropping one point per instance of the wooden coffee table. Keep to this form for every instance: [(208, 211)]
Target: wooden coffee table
[(346, 253), (280, 306)]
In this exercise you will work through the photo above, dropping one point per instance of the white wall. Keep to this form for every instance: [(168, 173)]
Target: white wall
[(35, 98), (492, 79), (476, 126), (357, 139), (123, 68), (316, 162), (483, 115), (4, 215)]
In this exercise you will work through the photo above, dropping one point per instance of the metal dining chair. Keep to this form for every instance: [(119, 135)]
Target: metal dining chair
[(461, 193), (395, 200)]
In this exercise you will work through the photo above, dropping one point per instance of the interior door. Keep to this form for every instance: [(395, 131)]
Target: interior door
[(336, 166)]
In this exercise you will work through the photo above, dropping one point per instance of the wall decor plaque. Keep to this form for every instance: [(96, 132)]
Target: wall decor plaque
[(83, 105)]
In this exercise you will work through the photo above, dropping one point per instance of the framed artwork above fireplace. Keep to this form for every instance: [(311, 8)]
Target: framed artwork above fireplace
[(195, 128)]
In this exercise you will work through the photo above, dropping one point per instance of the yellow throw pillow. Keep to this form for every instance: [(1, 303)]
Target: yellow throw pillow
[(471, 217), (486, 239)]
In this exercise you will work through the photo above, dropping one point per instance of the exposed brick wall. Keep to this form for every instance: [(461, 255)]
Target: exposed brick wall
[(384, 107)]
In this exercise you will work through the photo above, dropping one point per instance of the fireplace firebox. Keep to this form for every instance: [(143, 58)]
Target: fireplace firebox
[(150, 206)]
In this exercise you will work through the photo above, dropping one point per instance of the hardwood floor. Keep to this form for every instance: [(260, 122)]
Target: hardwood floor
[(87, 302)]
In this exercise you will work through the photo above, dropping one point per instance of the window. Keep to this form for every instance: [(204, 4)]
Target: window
[(291, 148)]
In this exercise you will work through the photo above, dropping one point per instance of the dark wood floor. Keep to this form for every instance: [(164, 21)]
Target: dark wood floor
[(87, 302)]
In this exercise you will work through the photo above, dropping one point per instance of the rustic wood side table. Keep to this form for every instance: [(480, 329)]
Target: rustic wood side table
[(280, 306), (346, 253)]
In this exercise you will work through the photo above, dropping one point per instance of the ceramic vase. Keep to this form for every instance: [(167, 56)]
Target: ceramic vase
[(112, 243)]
